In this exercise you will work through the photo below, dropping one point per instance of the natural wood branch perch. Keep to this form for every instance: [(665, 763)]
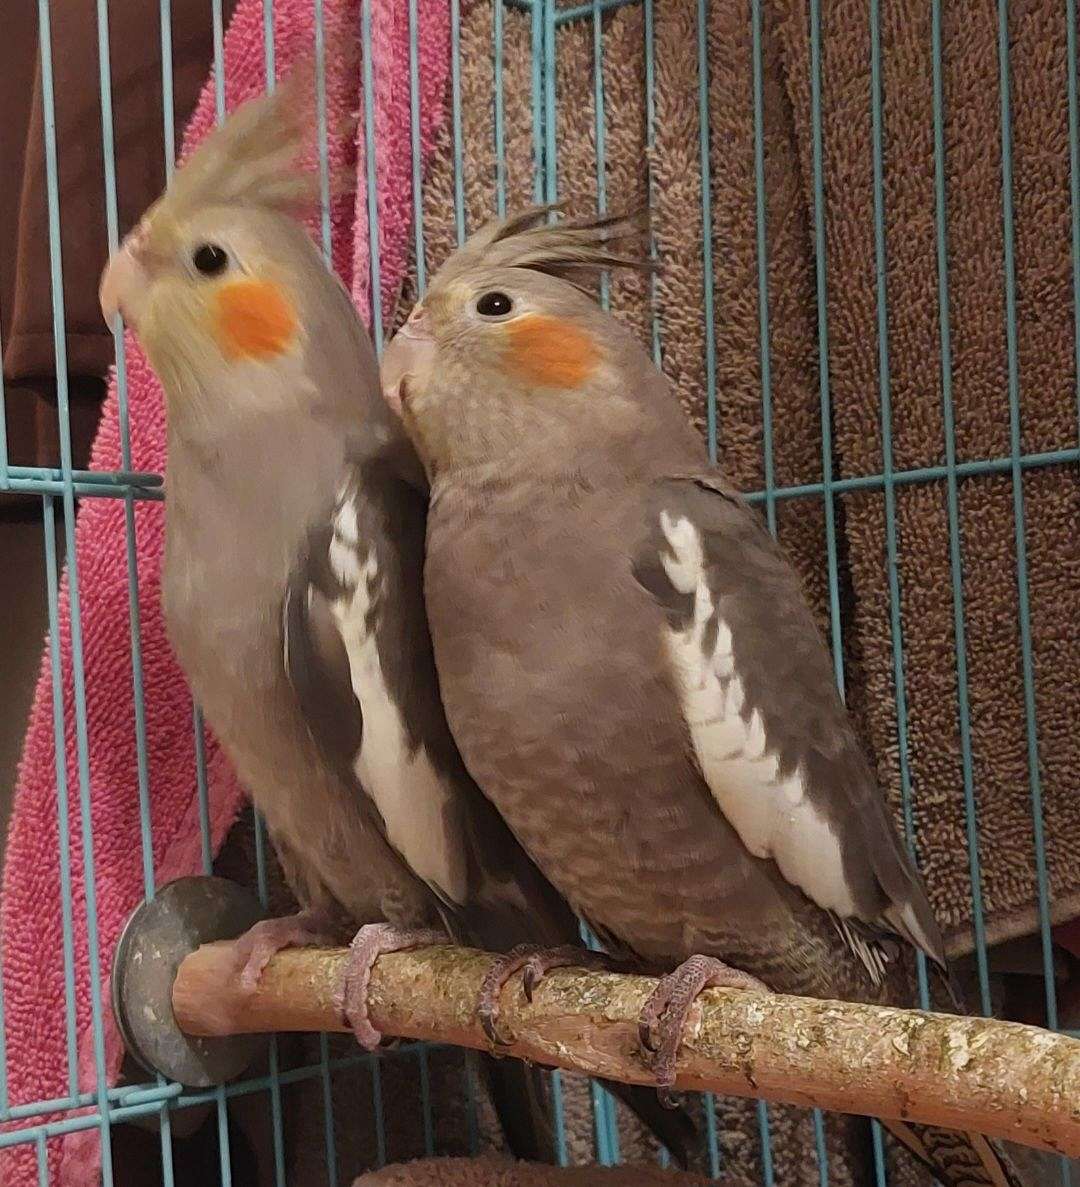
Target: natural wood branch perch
[(999, 1078)]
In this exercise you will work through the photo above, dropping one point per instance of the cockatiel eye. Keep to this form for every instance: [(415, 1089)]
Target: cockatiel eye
[(209, 259), (494, 304)]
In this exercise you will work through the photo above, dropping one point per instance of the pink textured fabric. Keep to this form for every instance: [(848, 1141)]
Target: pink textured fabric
[(31, 927), (393, 153)]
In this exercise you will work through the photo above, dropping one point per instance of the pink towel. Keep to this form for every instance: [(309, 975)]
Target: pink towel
[(31, 925)]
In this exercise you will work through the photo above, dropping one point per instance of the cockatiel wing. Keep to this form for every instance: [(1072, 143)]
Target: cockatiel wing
[(777, 751), (361, 666), (354, 640), (769, 731)]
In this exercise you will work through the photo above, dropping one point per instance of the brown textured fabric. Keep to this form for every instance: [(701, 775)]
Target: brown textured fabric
[(980, 395), (487, 1172), (25, 293), (979, 387)]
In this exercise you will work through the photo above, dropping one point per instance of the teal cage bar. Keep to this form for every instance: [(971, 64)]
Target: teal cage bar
[(59, 487)]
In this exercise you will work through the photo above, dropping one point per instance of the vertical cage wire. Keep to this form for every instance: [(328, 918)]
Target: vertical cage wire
[(81, 741), (765, 354), (826, 419), (1015, 449), (276, 1123), (605, 1124), (322, 135), (414, 143), (892, 558), (67, 924), (201, 776), (953, 498)]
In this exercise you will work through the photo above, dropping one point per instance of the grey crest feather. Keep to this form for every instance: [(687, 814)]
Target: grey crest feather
[(576, 250), (253, 158)]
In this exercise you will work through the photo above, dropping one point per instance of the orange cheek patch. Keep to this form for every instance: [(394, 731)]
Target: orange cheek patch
[(254, 320), (550, 351)]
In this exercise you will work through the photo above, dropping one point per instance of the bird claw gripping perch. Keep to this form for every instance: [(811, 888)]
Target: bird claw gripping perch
[(268, 937), (370, 942), (536, 962), (660, 1026)]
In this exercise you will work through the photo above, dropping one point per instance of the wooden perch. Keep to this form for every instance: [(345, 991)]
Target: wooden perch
[(1003, 1079)]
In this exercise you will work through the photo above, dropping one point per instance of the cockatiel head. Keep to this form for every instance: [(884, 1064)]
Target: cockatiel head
[(508, 358), (224, 287)]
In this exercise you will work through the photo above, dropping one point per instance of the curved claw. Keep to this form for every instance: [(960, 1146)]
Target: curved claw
[(487, 1007), (488, 1019), (645, 1036), (370, 942), (532, 976), (669, 1004), (536, 963)]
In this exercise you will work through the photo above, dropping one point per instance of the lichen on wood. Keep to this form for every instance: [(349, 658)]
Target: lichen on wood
[(1003, 1079)]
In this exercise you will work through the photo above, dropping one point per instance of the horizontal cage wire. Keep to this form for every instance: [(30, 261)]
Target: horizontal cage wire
[(677, 105)]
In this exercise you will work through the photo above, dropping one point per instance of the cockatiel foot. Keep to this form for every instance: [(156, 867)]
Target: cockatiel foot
[(268, 937), (536, 962), (660, 1026), (370, 942)]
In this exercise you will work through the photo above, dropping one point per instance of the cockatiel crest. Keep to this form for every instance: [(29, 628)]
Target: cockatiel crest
[(574, 249)]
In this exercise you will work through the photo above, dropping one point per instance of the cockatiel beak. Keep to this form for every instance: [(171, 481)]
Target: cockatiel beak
[(408, 359), (124, 276)]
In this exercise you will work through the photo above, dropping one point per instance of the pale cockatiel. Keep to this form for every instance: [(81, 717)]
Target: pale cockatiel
[(627, 661), (293, 586)]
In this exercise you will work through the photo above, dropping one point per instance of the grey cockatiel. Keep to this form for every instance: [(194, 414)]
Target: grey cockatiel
[(628, 663), (293, 585)]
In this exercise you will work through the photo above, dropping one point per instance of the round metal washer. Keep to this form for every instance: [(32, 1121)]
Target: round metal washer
[(181, 916)]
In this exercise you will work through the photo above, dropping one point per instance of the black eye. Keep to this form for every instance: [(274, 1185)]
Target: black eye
[(494, 305), (209, 259)]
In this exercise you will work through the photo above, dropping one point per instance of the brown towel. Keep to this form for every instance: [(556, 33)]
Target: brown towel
[(489, 1172), (980, 393)]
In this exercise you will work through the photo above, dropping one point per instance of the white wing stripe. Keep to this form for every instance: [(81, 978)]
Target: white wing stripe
[(770, 811), (403, 782)]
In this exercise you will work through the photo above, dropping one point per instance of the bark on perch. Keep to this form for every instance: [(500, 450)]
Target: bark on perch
[(999, 1078)]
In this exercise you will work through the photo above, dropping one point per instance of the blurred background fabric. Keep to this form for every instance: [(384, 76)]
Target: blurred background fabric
[(26, 309)]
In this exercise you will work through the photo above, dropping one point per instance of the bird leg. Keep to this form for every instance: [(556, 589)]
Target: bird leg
[(536, 962), (269, 936), (670, 1002), (370, 942)]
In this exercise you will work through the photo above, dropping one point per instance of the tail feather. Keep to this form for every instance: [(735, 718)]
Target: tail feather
[(521, 1101), (519, 1094), (674, 1129), (958, 1159)]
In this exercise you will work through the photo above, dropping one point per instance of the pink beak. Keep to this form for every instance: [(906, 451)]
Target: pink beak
[(409, 356), (123, 277)]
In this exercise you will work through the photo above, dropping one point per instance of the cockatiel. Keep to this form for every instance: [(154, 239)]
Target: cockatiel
[(293, 587), (627, 661)]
